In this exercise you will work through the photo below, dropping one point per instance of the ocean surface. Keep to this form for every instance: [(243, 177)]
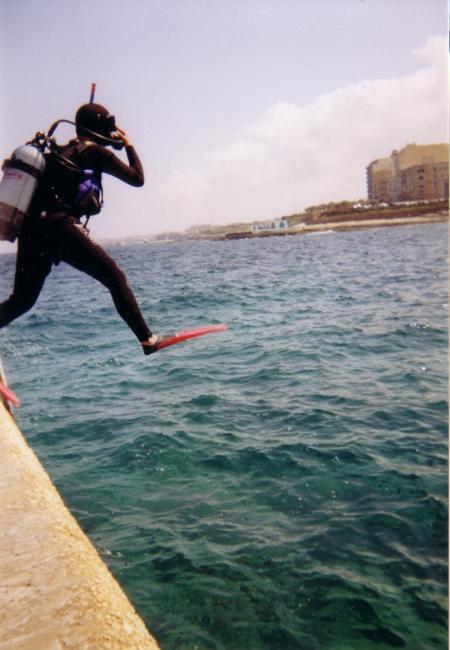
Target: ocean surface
[(279, 486)]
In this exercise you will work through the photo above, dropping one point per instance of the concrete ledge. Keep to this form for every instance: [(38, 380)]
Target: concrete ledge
[(55, 591)]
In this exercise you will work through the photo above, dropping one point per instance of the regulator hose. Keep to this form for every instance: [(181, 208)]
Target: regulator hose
[(116, 143)]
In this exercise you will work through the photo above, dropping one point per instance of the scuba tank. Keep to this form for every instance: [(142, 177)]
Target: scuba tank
[(22, 173)]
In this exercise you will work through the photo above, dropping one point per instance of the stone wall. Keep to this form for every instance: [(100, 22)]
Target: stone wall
[(55, 591)]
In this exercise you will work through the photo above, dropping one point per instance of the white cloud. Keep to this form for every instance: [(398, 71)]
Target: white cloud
[(433, 51), (295, 156)]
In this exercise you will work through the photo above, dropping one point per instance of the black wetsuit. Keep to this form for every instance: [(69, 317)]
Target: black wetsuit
[(52, 232)]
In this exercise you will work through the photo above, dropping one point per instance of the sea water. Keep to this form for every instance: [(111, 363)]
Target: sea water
[(280, 486)]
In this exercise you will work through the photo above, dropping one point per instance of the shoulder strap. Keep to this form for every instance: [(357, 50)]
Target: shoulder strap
[(81, 147), (65, 160), (71, 161)]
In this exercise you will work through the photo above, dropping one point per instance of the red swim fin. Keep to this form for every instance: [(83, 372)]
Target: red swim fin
[(172, 339), (9, 395)]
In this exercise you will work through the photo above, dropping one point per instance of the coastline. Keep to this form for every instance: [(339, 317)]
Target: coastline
[(333, 226)]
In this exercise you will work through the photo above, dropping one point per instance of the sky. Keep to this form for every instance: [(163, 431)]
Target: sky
[(240, 110)]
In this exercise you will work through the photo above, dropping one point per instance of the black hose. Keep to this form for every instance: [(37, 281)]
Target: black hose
[(116, 143)]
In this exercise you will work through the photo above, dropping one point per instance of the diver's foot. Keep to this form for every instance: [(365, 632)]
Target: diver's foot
[(151, 345)]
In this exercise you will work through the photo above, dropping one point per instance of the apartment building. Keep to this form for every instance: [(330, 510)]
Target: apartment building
[(380, 180), (416, 172)]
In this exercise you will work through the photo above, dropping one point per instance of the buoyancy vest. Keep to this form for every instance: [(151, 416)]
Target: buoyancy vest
[(68, 184)]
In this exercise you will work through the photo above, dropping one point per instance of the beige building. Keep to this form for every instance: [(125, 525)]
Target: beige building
[(380, 177), (415, 172), (429, 181)]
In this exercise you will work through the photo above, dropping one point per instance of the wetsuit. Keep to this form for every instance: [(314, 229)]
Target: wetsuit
[(52, 232)]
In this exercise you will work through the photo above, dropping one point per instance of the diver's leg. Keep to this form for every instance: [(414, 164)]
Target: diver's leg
[(33, 264), (87, 256)]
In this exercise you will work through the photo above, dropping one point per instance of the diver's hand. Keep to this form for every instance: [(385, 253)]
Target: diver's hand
[(123, 137)]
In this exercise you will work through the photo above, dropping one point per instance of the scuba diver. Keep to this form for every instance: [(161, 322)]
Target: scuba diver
[(53, 231)]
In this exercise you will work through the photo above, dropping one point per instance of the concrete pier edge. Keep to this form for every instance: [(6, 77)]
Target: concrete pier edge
[(56, 593)]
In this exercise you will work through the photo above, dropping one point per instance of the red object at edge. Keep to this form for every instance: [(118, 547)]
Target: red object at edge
[(9, 395), (172, 339)]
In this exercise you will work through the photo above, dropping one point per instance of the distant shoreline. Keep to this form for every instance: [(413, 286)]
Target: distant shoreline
[(307, 229), (341, 226), (344, 215)]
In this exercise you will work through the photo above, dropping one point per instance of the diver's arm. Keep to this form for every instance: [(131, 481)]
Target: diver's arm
[(135, 164), (109, 163), (133, 158)]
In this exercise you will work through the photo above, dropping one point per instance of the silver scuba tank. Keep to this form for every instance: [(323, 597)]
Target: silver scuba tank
[(22, 173)]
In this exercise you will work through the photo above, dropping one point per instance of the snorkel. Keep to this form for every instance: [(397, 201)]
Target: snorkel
[(93, 89)]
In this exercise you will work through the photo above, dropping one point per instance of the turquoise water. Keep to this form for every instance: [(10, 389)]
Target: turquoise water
[(280, 486)]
